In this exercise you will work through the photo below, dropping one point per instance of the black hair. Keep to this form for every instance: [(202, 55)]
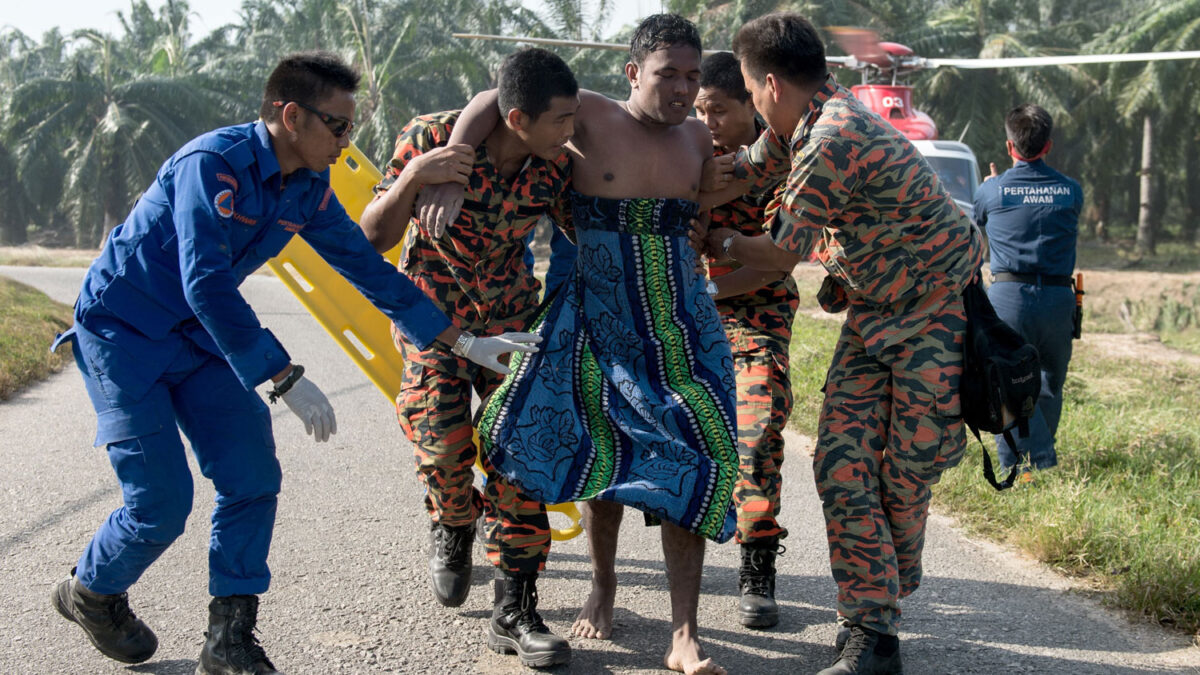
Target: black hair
[(306, 77), (1028, 126), (529, 78), (784, 44), (662, 31), (722, 72)]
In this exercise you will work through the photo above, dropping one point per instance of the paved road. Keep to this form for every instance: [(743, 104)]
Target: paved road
[(350, 593)]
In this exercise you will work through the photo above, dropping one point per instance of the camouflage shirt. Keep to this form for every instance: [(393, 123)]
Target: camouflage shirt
[(768, 311), (867, 204), (476, 272)]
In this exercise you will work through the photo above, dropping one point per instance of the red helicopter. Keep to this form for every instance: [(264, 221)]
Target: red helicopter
[(883, 66)]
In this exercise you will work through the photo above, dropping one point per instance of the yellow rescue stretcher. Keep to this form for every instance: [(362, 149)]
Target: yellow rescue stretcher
[(353, 322)]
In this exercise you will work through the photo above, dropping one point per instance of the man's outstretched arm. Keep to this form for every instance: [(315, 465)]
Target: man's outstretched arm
[(385, 219), (438, 205)]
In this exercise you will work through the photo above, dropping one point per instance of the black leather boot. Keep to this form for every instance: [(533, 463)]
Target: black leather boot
[(843, 634), (867, 653), (106, 620), (450, 562), (756, 583), (517, 628), (231, 647)]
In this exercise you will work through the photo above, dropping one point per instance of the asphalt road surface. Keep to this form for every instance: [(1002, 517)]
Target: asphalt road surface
[(350, 591)]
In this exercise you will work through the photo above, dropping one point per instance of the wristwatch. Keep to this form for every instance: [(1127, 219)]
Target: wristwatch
[(462, 344), (726, 244), (711, 287)]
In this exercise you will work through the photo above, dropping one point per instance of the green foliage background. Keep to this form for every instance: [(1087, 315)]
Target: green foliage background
[(89, 117)]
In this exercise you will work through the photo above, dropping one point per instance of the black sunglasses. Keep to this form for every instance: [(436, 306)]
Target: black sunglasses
[(338, 126)]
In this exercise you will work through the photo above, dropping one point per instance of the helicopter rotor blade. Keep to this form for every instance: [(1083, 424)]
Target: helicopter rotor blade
[(611, 46), (1073, 59), (862, 44), (916, 63)]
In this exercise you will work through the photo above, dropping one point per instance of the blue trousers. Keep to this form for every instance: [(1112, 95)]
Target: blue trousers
[(1043, 315), (229, 429)]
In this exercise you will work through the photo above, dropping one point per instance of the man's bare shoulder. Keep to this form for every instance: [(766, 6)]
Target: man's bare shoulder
[(698, 132), (594, 105)]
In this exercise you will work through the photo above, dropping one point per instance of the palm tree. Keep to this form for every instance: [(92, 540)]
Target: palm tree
[(107, 121), (1155, 94)]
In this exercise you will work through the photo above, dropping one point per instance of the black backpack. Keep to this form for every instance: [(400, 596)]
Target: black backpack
[(1001, 377)]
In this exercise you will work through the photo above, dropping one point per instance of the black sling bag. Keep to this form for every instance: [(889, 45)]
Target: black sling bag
[(1001, 378)]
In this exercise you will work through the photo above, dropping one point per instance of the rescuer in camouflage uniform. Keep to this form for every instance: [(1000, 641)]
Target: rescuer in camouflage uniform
[(476, 272), (756, 309), (899, 253)]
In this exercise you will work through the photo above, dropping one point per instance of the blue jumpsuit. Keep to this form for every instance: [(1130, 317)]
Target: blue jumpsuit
[(1031, 216), (163, 339)]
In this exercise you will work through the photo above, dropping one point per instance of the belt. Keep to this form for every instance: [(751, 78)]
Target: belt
[(1035, 279)]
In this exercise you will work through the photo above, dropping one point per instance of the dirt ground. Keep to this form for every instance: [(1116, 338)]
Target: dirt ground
[(1119, 306)]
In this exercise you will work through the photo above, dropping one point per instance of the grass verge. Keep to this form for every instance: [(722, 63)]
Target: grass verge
[(28, 323), (40, 256), (1123, 506)]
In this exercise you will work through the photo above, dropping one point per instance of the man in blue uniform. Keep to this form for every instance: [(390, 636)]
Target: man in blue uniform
[(163, 338), (1031, 216)]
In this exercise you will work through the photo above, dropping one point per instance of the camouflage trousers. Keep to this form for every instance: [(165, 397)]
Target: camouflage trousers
[(764, 402), (434, 408), (888, 428)]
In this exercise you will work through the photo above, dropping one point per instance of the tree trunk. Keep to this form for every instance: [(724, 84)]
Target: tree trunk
[(1103, 213), (111, 220), (1146, 222), (13, 230), (1191, 209)]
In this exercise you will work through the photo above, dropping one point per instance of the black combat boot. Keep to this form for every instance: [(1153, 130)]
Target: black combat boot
[(517, 628), (231, 647), (450, 562), (756, 583), (843, 634), (867, 653), (106, 620)]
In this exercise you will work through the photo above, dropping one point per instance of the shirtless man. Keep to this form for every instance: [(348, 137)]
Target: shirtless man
[(644, 148)]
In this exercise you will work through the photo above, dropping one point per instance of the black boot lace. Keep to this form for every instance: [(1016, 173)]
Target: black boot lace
[(120, 613), (858, 643), (529, 620), (454, 545), (245, 651), (758, 569)]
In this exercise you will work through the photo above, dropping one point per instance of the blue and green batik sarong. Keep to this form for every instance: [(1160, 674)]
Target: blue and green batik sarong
[(631, 397)]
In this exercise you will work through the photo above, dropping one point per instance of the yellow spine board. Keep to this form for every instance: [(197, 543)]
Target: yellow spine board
[(360, 329)]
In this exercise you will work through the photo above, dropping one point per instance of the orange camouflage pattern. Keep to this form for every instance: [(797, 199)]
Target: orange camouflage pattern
[(476, 271), (863, 199), (759, 326), (890, 425), (476, 274), (898, 252)]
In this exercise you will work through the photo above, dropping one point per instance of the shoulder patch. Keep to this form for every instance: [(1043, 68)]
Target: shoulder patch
[(223, 203), (325, 200), (227, 179)]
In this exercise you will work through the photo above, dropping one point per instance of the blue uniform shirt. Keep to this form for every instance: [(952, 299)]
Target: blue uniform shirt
[(1031, 216), (217, 210)]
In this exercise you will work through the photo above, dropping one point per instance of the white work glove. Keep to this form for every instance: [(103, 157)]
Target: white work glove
[(311, 406), (486, 351)]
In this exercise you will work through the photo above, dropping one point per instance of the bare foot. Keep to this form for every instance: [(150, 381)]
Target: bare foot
[(595, 618), (686, 656)]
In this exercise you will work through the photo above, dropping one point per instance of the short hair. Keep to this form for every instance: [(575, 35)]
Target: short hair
[(1028, 126), (722, 72), (529, 78), (662, 31), (784, 44), (306, 77)]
